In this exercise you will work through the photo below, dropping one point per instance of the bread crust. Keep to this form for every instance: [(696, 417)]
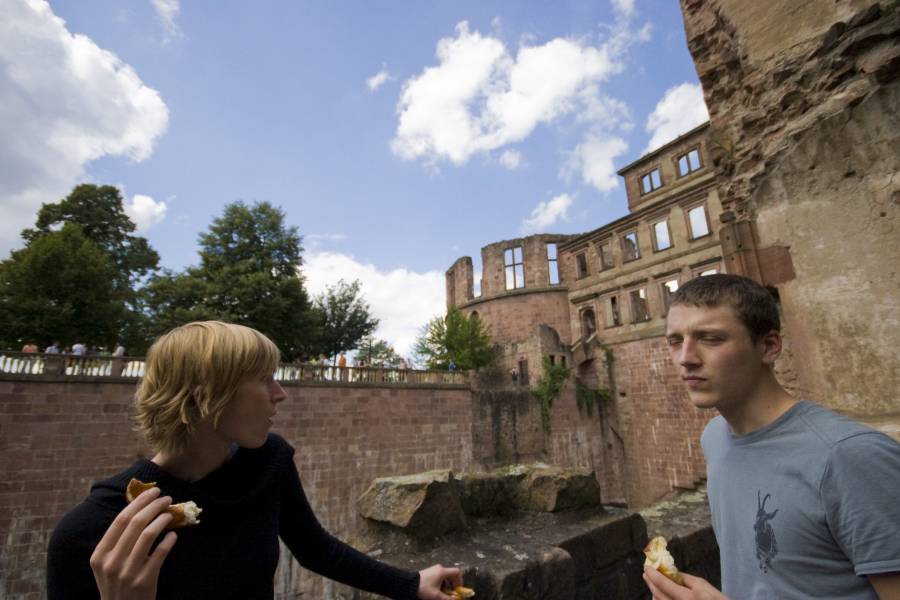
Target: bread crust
[(658, 558), (183, 514)]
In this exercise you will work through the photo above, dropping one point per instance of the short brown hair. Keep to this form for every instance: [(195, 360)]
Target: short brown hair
[(192, 373), (755, 305)]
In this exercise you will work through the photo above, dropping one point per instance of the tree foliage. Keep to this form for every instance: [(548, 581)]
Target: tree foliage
[(458, 338), (100, 212), (93, 214), (60, 287), (249, 273), (377, 353), (345, 317)]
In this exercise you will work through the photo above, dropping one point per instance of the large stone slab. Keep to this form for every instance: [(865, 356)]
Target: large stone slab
[(422, 505)]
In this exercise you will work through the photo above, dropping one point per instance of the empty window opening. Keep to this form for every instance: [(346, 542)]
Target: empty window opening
[(640, 309), (580, 265), (588, 323), (688, 163), (698, 222), (668, 288), (630, 250), (515, 269), (523, 371), (606, 258), (612, 312), (552, 264), (661, 235), (651, 181)]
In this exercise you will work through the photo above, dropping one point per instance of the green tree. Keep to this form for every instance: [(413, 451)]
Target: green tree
[(99, 213), (60, 287), (458, 338), (377, 353), (249, 273), (345, 317)]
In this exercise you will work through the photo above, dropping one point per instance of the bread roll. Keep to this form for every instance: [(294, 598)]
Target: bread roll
[(183, 514), (660, 559)]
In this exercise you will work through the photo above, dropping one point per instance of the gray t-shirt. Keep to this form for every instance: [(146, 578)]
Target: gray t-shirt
[(804, 507)]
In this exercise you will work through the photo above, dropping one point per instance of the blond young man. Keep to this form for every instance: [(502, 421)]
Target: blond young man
[(804, 502), (206, 403)]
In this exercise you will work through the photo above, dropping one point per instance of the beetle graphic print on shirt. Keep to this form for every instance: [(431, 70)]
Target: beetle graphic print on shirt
[(766, 546)]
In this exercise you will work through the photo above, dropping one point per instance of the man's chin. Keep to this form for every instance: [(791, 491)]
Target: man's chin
[(703, 400)]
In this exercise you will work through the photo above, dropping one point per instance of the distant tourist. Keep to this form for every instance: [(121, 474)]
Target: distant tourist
[(79, 349), (30, 348), (52, 348), (213, 446), (803, 500), (451, 366), (119, 351)]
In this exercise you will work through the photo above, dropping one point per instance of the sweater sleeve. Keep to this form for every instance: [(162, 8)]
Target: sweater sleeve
[(72, 542), (319, 551)]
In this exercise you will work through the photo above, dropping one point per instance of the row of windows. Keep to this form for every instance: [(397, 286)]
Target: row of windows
[(686, 163), (638, 301), (514, 266), (698, 227)]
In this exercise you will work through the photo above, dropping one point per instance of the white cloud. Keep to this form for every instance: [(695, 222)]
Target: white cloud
[(378, 79), (479, 98), (624, 8), (594, 160), (167, 11), (681, 109), (403, 300), (145, 211), (511, 159), (63, 103), (547, 213)]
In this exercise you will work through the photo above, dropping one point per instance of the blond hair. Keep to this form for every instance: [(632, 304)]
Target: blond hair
[(192, 373)]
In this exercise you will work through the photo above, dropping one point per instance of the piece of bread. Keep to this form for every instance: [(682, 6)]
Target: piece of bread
[(460, 593), (183, 514), (660, 559)]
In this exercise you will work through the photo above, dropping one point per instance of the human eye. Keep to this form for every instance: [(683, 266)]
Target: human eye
[(673, 340)]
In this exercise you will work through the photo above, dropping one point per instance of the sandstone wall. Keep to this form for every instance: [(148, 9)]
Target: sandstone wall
[(803, 101), (660, 428), (56, 438), (514, 316)]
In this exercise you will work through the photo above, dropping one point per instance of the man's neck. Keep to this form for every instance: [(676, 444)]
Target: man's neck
[(766, 403)]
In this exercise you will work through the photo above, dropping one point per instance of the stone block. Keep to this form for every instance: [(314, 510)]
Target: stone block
[(553, 489), (422, 505), (606, 545), (551, 577)]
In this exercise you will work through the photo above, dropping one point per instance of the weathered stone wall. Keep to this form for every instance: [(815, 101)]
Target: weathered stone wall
[(514, 316), (57, 437), (803, 102), (660, 427), (460, 282)]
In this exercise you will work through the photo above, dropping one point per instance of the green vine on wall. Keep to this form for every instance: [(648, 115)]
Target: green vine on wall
[(586, 397), (549, 387)]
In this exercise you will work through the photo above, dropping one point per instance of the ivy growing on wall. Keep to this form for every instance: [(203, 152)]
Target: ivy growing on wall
[(548, 388), (586, 397)]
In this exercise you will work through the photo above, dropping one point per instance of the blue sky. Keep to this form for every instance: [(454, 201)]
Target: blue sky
[(397, 136)]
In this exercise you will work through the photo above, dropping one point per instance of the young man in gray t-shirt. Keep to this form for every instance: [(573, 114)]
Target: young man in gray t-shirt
[(805, 503)]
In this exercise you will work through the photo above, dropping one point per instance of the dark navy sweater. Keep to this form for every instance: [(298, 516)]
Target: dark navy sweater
[(247, 504)]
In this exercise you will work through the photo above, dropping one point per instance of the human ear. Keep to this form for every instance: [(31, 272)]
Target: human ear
[(772, 344)]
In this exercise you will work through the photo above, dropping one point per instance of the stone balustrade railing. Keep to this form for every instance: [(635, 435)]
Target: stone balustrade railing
[(68, 365)]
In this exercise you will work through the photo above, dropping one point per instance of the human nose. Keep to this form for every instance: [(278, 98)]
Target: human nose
[(277, 392), (687, 354)]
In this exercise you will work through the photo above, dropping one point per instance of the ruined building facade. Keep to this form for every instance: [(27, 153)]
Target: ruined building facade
[(596, 302), (794, 182)]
